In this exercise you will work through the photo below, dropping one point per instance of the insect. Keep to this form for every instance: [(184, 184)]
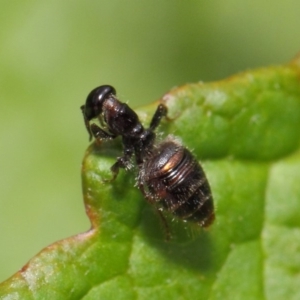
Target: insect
[(169, 176)]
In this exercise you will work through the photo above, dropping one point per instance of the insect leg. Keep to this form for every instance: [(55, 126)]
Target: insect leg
[(161, 111), (165, 225), (151, 200), (99, 134), (123, 161)]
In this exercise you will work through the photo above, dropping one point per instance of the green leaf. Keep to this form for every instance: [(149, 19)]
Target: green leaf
[(245, 130)]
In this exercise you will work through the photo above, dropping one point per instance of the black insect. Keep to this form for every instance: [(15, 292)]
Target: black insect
[(169, 176)]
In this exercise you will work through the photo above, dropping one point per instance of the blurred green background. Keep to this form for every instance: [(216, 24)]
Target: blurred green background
[(54, 52)]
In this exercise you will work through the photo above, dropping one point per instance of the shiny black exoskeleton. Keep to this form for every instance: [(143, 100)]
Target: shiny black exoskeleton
[(173, 177), (169, 176)]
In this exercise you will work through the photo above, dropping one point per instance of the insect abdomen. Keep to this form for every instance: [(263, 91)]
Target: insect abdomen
[(176, 181)]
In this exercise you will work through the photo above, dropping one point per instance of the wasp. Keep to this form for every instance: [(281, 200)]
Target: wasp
[(169, 176)]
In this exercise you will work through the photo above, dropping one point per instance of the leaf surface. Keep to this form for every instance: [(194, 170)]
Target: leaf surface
[(245, 130)]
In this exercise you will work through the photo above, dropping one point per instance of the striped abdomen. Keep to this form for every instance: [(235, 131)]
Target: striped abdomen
[(174, 179)]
